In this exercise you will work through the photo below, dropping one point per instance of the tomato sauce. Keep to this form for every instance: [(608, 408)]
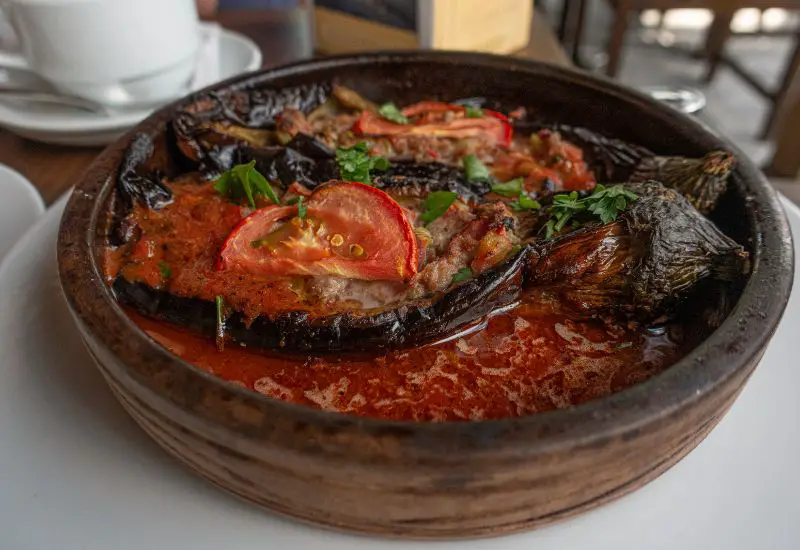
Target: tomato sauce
[(532, 359)]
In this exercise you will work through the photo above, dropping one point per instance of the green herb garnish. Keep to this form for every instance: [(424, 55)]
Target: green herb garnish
[(473, 112), (508, 189), (436, 204), (462, 275), (389, 111), (624, 345), (605, 202), (475, 170), (165, 270), (302, 209), (243, 180), (220, 302), (355, 163), (524, 202)]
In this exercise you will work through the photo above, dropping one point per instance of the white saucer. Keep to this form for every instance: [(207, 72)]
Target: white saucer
[(20, 207), (77, 473), (64, 126)]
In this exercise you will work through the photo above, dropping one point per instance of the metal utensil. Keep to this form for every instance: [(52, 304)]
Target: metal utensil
[(51, 98)]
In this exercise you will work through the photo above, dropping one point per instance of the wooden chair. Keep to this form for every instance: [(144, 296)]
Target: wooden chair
[(573, 16), (790, 80)]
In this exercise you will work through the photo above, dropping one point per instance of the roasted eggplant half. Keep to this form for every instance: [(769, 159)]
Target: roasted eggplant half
[(702, 181), (642, 264)]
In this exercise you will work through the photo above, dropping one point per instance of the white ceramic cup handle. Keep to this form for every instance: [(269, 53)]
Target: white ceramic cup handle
[(9, 59)]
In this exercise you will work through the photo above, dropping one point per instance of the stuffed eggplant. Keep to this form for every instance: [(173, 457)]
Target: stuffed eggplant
[(311, 222)]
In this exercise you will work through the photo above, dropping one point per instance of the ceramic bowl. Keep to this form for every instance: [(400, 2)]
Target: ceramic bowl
[(452, 479)]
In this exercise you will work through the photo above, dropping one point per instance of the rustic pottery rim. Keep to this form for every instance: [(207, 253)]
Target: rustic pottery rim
[(740, 339)]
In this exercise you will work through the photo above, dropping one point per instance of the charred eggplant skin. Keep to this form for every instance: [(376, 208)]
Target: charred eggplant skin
[(207, 147), (412, 323), (643, 264), (702, 181), (135, 183), (431, 176), (256, 108), (304, 159)]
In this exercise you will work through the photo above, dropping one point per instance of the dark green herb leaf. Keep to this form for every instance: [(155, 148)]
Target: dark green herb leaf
[(624, 345), (262, 186), (165, 270), (462, 275), (437, 204), (244, 181), (524, 202), (606, 203), (302, 209), (475, 170), (389, 111), (379, 163), (220, 302), (223, 184), (220, 311), (473, 112), (355, 163), (508, 189)]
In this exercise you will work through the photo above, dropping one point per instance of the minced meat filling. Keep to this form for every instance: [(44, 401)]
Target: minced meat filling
[(177, 248)]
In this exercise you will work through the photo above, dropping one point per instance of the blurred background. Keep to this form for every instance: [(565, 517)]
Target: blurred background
[(733, 64)]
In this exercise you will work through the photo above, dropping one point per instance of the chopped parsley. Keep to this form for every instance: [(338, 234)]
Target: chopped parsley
[(508, 189), (475, 170), (165, 270), (389, 111), (436, 204), (462, 275), (606, 203), (355, 163), (244, 181), (473, 112), (302, 209), (513, 188), (624, 345), (524, 202), (220, 303)]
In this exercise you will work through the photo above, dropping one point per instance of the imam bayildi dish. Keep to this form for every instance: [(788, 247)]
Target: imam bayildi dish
[(431, 261)]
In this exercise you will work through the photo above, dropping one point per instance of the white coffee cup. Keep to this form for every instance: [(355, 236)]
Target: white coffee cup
[(112, 51)]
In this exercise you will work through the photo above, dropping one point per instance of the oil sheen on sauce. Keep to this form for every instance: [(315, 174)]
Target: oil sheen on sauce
[(531, 359)]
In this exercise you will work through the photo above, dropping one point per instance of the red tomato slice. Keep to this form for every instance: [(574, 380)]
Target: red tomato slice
[(350, 230), (429, 107), (371, 124)]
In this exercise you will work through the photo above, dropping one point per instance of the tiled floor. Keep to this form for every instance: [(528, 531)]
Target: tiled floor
[(733, 108)]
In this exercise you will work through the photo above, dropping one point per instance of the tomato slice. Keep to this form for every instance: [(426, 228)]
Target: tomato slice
[(430, 107), (494, 128), (350, 230)]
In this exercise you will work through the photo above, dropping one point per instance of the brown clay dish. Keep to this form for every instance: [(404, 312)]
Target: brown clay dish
[(450, 479)]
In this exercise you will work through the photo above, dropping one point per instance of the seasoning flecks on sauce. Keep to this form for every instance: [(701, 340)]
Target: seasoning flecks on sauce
[(529, 360)]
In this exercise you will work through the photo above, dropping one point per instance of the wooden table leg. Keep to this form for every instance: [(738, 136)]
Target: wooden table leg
[(785, 161), (570, 29), (617, 38), (790, 84), (577, 37), (718, 34)]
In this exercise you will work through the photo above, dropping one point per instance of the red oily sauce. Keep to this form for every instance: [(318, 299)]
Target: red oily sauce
[(532, 359)]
